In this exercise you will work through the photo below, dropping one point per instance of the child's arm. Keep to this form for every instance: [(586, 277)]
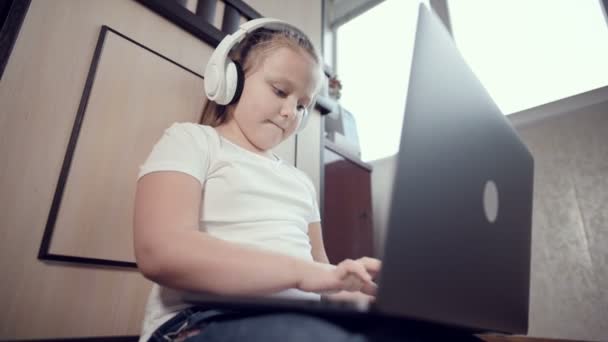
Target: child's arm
[(319, 254), (315, 234), (316, 242), (171, 251)]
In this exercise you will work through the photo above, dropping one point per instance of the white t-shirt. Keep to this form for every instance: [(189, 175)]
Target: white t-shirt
[(247, 198)]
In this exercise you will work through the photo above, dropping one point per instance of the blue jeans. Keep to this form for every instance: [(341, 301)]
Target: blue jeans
[(200, 325)]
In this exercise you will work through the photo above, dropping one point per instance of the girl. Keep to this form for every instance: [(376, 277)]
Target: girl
[(217, 212)]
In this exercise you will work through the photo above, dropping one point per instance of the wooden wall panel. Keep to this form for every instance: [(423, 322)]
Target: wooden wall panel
[(219, 14), (39, 95), (134, 97)]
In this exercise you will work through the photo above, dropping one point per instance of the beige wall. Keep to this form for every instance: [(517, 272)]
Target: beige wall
[(569, 292), (39, 96), (569, 280)]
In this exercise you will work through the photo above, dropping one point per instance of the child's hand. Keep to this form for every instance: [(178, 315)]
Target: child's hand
[(349, 275), (354, 297), (372, 265)]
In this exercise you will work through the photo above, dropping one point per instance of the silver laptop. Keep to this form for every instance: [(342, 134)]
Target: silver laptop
[(457, 251)]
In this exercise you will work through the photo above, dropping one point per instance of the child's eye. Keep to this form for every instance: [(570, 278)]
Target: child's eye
[(279, 92)]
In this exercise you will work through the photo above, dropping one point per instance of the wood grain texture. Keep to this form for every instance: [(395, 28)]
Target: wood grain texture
[(136, 95), (40, 93)]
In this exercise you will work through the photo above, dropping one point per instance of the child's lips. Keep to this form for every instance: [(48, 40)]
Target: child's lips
[(279, 126)]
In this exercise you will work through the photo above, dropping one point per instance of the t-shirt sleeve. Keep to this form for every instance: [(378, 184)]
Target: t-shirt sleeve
[(183, 147), (316, 215)]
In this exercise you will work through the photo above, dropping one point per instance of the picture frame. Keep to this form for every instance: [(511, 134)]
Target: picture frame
[(75, 230), (12, 14)]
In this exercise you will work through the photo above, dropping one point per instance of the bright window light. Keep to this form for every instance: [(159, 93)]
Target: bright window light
[(527, 53), (374, 55)]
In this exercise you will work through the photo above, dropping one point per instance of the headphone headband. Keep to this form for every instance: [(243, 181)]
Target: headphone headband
[(215, 83), (223, 79)]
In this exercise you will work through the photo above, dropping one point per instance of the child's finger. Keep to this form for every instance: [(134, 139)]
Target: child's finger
[(352, 283), (357, 268), (369, 289), (372, 265)]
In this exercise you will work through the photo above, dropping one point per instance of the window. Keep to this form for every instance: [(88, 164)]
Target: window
[(527, 53), (374, 54)]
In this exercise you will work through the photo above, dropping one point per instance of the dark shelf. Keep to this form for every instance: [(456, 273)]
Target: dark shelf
[(347, 155)]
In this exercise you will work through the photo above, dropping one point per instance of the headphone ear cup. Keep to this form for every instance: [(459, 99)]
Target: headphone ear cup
[(230, 84), (302, 124), (239, 82), (211, 80)]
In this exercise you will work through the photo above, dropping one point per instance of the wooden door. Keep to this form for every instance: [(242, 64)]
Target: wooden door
[(347, 221)]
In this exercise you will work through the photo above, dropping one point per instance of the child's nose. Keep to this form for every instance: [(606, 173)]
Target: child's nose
[(289, 108)]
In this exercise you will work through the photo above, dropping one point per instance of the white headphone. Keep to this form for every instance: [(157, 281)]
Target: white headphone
[(224, 78)]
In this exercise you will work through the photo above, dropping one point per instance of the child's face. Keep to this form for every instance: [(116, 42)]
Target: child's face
[(274, 96)]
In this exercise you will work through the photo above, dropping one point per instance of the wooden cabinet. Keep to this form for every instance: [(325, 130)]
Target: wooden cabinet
[(347, 207)]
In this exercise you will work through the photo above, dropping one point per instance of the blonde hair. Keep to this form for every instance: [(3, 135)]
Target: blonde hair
[(250, 53)]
